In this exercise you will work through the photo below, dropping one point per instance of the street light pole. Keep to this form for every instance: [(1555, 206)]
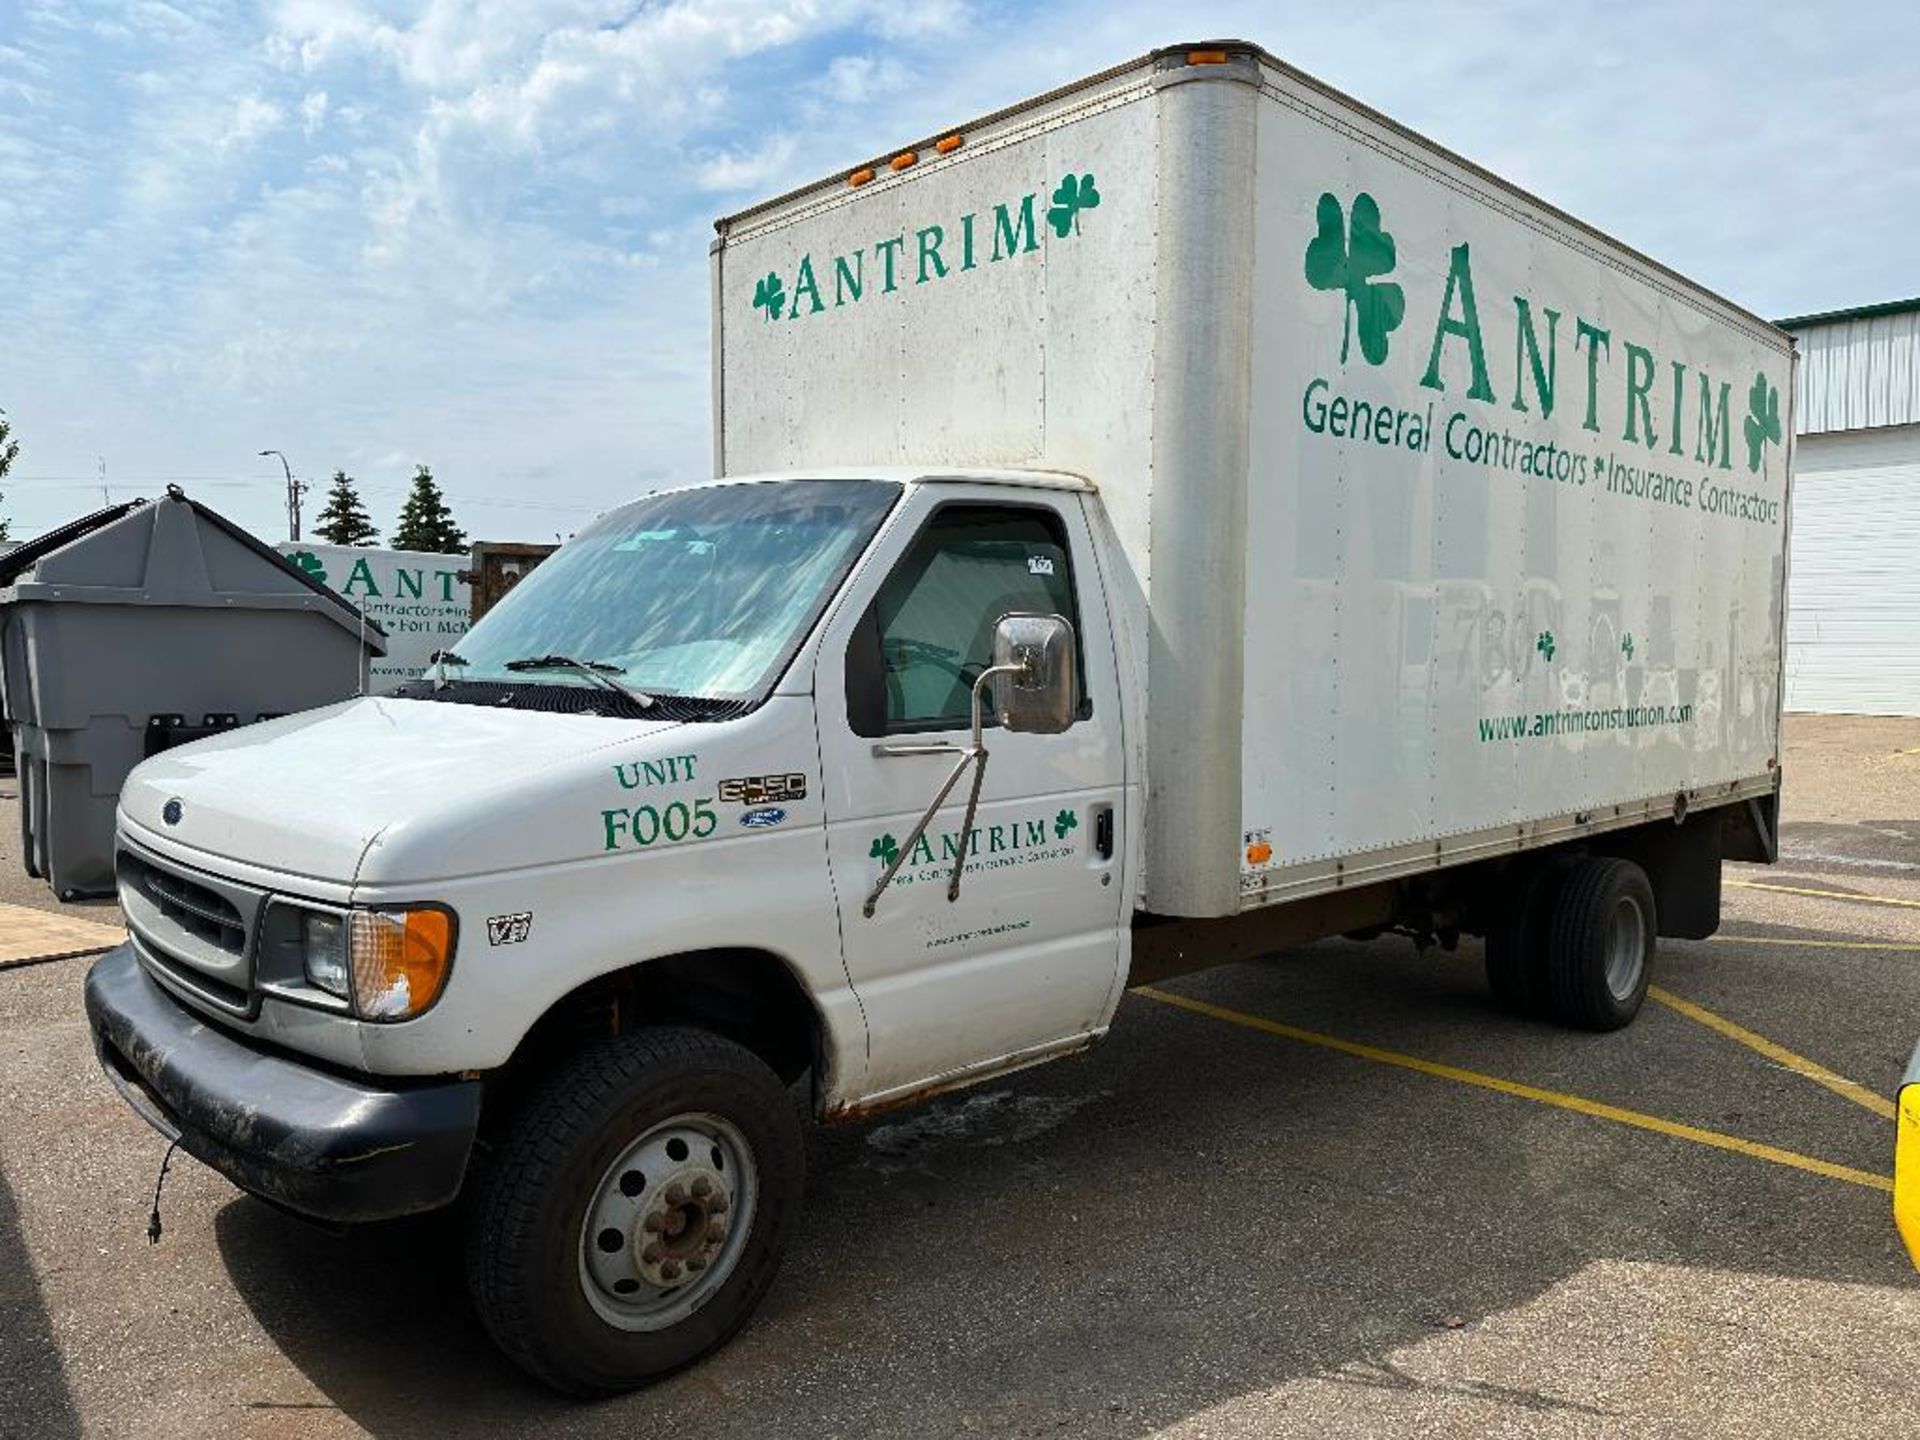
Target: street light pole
[(294, 490)]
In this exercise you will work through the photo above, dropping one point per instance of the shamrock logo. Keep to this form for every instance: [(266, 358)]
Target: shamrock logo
[(1626, 645), (1763, 419), (1063, 822), (884, 849), (770, 295), (308, 564), (1545, 645), (1347, 258), (1076, 193)]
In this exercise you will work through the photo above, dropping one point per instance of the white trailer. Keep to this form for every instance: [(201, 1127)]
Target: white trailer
[(1176, 517)]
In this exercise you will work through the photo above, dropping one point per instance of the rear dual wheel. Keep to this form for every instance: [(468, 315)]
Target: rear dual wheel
[(1575, 942)]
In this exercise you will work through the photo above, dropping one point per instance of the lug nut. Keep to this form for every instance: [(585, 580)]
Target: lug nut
[(696, 1262), (652, 1253), (676, 1194), (702, 1186), (717, 1205), (654, 1223), (716, 1232), (670, 1269)]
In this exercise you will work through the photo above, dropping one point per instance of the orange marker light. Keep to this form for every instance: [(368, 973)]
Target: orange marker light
[(1259, 853), (860, 177), (903, 160), (947, 144), (1206, 57)]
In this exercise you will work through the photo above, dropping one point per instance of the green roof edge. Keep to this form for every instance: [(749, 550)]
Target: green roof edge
[(1857, 312)]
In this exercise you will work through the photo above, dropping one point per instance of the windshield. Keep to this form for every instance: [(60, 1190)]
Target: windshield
[(703, 592)]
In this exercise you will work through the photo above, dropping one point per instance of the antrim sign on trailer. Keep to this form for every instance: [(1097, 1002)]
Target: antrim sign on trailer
[(418, 598)]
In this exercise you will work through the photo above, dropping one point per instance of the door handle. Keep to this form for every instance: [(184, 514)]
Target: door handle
[(1103, 832)]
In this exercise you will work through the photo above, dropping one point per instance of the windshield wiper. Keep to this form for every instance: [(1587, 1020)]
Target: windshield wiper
[(440, 659), (600, 672)]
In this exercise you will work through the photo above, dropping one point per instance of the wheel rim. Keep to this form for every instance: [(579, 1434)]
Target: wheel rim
[(1626, 948), (668, 1222)]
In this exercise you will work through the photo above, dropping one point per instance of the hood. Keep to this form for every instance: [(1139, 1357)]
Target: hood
[(309, 793)]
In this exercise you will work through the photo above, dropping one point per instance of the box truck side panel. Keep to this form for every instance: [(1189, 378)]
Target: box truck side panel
[(990, 307), (1516, 516)]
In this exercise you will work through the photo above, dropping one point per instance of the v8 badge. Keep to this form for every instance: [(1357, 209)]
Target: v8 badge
[(509, 929)]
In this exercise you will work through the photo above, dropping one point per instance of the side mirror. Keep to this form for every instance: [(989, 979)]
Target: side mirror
[(1034, 696)]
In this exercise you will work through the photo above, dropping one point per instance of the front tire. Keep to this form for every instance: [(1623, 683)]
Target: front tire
[(637, 1210), (1601, 946)]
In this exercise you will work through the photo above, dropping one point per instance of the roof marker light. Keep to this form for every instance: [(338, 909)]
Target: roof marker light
[(904, 159), (860, 176), (947, 144), (1206, 57)]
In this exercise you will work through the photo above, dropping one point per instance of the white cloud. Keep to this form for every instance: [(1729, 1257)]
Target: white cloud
[(858, 79), (252, 118), (759, 168), (313, 111)]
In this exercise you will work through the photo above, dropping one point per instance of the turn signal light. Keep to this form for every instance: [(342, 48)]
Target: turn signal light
[(1259, 853), (400, 960)]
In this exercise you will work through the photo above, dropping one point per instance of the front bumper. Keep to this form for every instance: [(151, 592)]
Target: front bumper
[(313, 1141)]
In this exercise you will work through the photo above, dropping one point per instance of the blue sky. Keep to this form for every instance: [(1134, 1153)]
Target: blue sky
[(474, 234)]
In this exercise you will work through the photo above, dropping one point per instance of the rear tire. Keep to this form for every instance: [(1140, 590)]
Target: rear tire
[(1602, 940), (637, 1210), (1516, 944)]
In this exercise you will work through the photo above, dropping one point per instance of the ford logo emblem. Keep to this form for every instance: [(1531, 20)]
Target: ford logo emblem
[(765, 819), (171, 812)]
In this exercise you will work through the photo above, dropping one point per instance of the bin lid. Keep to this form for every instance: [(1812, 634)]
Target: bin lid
[(170, 551)]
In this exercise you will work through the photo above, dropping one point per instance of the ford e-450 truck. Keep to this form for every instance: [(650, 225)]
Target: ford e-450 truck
[(1177, 517)]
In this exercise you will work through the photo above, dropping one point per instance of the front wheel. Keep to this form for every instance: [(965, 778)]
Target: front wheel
[(637, 1211)]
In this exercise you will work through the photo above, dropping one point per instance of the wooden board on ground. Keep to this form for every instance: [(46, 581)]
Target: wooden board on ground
[(28, 934)]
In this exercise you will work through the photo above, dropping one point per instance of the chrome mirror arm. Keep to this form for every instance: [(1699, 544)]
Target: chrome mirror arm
[(975, 755)]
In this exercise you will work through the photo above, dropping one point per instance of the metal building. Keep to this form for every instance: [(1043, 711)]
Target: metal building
[(1853, 590)]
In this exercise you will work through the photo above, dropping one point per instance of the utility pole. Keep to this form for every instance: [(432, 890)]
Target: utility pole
[(295, 488)]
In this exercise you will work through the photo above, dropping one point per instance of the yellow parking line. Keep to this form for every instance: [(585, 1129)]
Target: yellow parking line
[(1893, 945), (1861, 896), (1579, 1104), (1799, 1064)]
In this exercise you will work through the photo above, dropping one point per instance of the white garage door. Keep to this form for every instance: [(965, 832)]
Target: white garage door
[(1853, 589)]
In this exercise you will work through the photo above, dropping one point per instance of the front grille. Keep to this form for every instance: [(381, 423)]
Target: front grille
[(193, 930), (193, 907)]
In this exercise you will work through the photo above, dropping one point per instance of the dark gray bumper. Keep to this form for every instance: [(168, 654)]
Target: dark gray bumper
[(325, 1145)]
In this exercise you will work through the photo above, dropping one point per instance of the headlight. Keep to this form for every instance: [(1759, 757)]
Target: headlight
[(323, 946), (388, 964)]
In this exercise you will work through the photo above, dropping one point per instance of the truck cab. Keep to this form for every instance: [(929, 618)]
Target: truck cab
[(656, 790)]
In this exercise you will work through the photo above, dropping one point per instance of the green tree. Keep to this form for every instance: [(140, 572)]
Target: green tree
[(345, 520), (9, 452), (425, 521)]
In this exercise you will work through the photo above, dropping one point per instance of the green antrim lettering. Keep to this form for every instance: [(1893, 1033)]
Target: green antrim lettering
[(931, 253), (805, 284), (1596, 340), (362, 576), (1679, 399), (1639, 387), (1467, 327), (889, 249), (847, 279), (1712, 425), (966, 241), (408, 584), (1526, 348), (1007, 234)]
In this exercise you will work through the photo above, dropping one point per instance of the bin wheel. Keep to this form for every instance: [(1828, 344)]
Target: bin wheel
[(1516, 943), (1601, 944), (637, 1210)]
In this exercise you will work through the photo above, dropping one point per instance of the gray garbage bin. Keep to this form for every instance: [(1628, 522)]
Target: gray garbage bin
[(141, 627)]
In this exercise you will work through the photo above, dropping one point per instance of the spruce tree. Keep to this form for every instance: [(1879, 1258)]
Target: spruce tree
[(9, 452), (425, 521), (345, 520)]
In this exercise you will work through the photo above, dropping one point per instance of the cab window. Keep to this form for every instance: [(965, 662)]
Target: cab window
[(929, 633)]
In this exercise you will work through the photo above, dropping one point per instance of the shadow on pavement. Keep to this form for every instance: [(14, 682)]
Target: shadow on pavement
[(1110, 1245), (34, 1400)]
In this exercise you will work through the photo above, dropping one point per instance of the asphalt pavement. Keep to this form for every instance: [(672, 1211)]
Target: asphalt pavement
[(1327, 1193)]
